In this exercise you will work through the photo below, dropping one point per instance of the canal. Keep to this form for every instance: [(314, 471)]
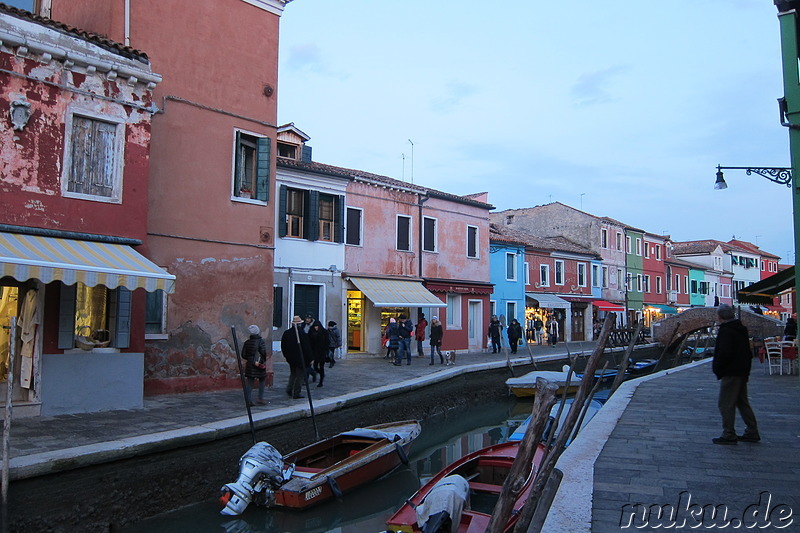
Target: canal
[(444, 438)]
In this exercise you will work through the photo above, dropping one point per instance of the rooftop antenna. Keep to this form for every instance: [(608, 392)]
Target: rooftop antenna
[(412, 161), (403, 155), (582, 195)]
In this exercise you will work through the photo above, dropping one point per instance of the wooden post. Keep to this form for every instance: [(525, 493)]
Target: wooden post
[(7, 422), (549, 462), (523, 463), (666, 346), (624, 365)]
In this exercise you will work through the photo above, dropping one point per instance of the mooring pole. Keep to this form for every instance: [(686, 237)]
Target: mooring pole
[(244, 385)]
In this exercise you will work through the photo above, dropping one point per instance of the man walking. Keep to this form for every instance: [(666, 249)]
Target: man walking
[(731, 365), (406, 327), (297, 350)]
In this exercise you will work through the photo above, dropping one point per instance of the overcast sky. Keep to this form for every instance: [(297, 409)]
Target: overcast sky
[(619, 108)]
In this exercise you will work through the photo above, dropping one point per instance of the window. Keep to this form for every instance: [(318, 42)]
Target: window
[(511, 266), (678, 283), (93, 158), (155, 318), (429, 234), (544, 275), (511, 311), (628, 244), (685, 284), (595, 276), (354, 231), (604, 280), (647, 250), (472, 242), (286, 150), (312, 215), (403, 233), (638, 246), (277, 306), (326, 217), (559, 272), (658, 252), (581, 274), (646, 283), (619, 241), (639, 283), (693, 286), (83, 310), (454, 310), (604, 238), (658, 285), (251, 167), (526, 266)]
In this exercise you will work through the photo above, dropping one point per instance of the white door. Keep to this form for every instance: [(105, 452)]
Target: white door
[(475, 325)]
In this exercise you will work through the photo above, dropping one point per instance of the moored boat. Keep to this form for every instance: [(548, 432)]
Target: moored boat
[(524, 386), (324, 470), (592, 409), (642, 366), (483, 473)]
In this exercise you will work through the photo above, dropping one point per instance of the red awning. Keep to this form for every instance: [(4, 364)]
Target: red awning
[(603, 305)]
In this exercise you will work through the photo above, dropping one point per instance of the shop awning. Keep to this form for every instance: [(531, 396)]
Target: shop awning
[(764, 291), (547, 300), (47, 259), (384, 292), (665, 309), (603, 305)]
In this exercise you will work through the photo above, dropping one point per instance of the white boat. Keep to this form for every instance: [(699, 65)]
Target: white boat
[(594, 407), (524, 386)]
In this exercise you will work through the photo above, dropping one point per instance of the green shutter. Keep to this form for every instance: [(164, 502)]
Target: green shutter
[(277, 307), (119, 317), (312, 216), (262, 169), (238, 164), (282, 230), (338, 224), (66, 317)]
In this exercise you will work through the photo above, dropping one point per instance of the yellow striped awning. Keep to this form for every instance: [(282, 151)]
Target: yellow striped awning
[(384, 292), (47, 259)]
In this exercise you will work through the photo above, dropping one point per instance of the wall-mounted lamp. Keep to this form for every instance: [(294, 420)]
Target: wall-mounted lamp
[(780, 175)]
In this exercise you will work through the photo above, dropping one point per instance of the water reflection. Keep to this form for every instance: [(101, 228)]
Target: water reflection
[(444, 438)]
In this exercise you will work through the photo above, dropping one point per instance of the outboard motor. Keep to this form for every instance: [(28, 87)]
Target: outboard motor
[(260, 474)]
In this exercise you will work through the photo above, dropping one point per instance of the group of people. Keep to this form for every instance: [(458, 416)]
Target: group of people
[(397, 338), (307, 346), (536, 330)]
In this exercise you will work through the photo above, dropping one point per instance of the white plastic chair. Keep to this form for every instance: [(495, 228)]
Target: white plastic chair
[(774, 357), (788, 366)]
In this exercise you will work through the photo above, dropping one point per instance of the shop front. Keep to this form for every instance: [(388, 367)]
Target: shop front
[(549, 306), (71, 333), (371, 302)]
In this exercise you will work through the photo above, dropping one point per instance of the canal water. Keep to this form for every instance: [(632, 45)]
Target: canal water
[(444, 439)]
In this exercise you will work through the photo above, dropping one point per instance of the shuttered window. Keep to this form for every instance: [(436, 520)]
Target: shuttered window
[(93, 157), (84, 310), (429, 232), (353, 226), (472, 242), (403, 233), (251, 172)]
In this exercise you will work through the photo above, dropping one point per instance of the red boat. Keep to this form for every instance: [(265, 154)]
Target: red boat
[(485, 472)]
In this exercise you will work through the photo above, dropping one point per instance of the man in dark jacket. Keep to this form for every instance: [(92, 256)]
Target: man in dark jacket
[(731, 365), (297, 351)]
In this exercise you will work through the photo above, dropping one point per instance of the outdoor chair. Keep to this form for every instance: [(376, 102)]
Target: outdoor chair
[(774, 357)]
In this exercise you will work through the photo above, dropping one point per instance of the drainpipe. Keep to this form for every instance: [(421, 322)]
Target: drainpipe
[(421, 200), (127, 22)]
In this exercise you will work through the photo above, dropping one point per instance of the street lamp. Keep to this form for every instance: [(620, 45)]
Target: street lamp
[(780, 175)]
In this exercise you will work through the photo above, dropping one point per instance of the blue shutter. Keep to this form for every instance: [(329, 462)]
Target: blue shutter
[(312, 216), (338, 224), (262, 169), (306, 154), (119, 317), (66, 317), (282, 194)]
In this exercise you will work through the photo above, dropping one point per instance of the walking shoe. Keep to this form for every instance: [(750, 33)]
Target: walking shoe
[(261, 402), (723, 440), (749, 438), (396, 364)]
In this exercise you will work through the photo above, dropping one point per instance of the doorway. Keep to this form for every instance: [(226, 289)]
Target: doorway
[(475, 325)]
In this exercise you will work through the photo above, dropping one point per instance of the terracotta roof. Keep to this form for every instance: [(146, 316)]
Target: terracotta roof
[(360, 175), (94, 38), (752, 248), (554, 244), (705, 246)]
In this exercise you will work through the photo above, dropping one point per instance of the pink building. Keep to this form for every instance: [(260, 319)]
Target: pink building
[(73, 173), (211, 189)]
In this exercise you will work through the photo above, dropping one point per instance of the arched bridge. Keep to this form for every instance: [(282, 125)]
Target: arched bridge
[(672, 330)]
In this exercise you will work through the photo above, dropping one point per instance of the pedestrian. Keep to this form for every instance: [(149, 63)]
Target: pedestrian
[(437, 333), (405, 329), (392, 336), (495, 330), (296, 349), (790, 331), (514, 333), (310, 372), (334, 343), (538, 328), (731, 365), (552, 331), (254, 352), (419, 334), (320, 348)]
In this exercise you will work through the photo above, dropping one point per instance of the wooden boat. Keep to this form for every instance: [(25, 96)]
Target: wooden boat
[(324, 470), (594, 407), (331, 467), (524, 386), (484, 471)]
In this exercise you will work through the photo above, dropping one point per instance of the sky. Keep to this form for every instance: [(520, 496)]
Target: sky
[(619, 108)]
